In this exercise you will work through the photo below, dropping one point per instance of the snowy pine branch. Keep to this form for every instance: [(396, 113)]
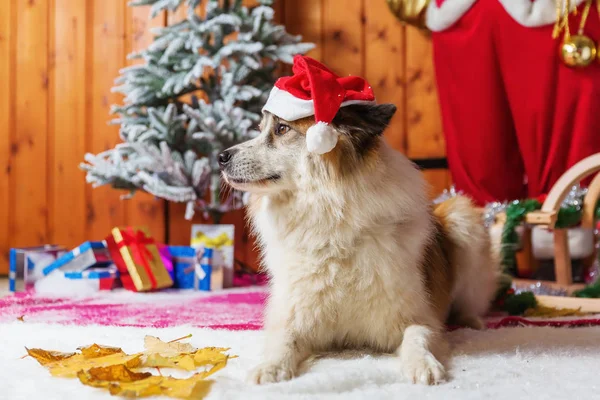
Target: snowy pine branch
[(198, 92)]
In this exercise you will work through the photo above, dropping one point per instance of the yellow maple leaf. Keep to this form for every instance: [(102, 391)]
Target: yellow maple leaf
[(97, 350), (104, 376), (167, 349), (69, 367), (181, 361), (110, 368), (45, 357), (194, 387), (210, 355)]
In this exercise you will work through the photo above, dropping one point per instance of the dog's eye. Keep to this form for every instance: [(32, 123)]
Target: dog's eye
[(281, 129)]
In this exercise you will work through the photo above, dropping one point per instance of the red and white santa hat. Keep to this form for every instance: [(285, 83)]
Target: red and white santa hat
[(315, 90)]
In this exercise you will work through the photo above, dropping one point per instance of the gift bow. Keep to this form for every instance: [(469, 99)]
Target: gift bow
[(137, 243), (216, 243)]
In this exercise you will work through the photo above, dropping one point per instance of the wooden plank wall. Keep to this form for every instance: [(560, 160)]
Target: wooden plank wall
[(58, 61)]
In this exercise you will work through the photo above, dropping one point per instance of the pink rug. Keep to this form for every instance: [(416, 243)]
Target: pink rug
[(236, 309), (232, 310)]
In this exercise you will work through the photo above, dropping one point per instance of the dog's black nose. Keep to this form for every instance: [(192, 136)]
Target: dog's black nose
[(225, 157)]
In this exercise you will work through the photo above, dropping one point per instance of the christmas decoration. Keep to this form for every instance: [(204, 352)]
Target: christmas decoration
[(138, 260), (219, 239), (315, 90), (184, 265), (80, 258), (519, 104), (577, 50), (411, 12), (27, 264), (226, 59)]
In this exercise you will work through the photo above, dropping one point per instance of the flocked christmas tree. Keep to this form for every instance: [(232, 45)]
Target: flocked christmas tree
[(199, 92)]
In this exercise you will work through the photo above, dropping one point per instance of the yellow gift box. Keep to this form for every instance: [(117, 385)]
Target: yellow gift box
[(136, 256)]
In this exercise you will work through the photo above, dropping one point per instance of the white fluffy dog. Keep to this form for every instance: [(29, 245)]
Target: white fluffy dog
[(357, 254)]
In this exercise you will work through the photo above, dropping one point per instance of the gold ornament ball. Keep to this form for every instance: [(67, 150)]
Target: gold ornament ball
[(578, 51)]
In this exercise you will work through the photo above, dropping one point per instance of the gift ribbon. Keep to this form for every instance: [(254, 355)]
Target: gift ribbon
[(216, 243), (137, 242)]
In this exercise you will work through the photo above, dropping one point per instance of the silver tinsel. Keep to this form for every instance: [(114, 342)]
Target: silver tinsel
[(574, 197), (539, 288), (446, 194)]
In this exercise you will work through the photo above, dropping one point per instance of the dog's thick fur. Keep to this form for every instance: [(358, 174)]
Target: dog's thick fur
[(358, 256)]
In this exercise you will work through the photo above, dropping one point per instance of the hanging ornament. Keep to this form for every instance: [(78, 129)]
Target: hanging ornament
[(577, 50), (411, 12)]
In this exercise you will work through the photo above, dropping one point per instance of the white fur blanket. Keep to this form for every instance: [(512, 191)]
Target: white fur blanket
[(508, 363)]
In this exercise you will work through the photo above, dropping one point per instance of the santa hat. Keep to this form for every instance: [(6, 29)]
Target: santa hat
[(315, 90)]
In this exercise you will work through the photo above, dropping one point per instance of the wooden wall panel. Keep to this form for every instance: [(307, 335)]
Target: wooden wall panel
[(306, 18), (29, 145), (105, 209), (143, 209), (424, 136), (7, 70), (424, 127), (385, 67), (67, 131), (343, 36)]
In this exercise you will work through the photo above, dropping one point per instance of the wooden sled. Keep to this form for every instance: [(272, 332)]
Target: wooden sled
[(546, 217)]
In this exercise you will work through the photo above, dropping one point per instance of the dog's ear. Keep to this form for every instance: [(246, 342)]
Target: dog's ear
[(363, 124), (369, 118)]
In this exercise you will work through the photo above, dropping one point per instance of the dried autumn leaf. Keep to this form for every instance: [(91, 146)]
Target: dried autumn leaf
[(210, 355), (45, 357), (69, 367), (182, 361), (143, 388), (194, 387), (97, 350), (104, 376), (166, 349)]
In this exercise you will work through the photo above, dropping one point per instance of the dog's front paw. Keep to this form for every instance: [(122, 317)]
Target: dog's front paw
[(423, 368), (271, 373)]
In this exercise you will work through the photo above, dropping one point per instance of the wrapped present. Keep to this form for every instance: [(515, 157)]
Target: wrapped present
[(78, 282), (136, 256), (219, 238), (165, 256), (84, 256), (98, 278), (206, 277), (27, 264), (194, 268), (184, 266)]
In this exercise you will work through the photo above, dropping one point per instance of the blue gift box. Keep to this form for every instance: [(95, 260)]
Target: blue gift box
[(191, 273), (184, 261), (86, 255), (26, 264)]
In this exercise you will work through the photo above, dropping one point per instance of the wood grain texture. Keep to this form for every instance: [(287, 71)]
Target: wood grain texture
[(105, 209), (385, 67), (423, 119), (306, 18), (343, 36), (29, 145), (143, 209), (7, 90), (67, 131), (438, 180)]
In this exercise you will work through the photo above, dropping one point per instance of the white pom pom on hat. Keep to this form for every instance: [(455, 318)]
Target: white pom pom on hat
[(315, 90)]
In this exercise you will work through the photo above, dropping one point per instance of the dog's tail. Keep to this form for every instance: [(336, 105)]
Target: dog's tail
[(475, 261), (461, 220)]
